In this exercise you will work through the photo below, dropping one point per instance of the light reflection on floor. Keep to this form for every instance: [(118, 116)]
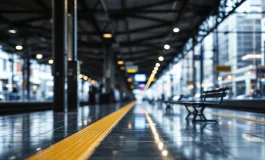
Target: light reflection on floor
[(154, 134)]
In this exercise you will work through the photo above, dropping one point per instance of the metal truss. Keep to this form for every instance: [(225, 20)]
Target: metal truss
[(224, 10)]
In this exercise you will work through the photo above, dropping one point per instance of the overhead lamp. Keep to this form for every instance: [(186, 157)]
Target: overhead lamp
[(34, 87), (107, 35), (160, 58), (39, 56), (50, 61), (176, 30), (122, 68), (164, 153), (157, 64), (120, 62), (80, 62), (19, 47), (12, 31), (167, 46), (252, 56), (80, 75), (69, 59), (156, 68), (154, 71), (85, 78), (129, 79)]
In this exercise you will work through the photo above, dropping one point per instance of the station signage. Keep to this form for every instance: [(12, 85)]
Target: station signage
[(189, 82), (197, 57), (261, 72), (132, 69), (222, 68)]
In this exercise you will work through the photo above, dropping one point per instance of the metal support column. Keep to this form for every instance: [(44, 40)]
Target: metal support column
[(59, 8), (215, 59), (108, 68), (23, 77), (201, 68), (172, 85), (193, 70), (73, 65), (28, 74), (109, 75)]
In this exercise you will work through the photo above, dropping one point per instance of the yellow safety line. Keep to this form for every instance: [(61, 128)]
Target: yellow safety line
[(236, 117), (82, 144)]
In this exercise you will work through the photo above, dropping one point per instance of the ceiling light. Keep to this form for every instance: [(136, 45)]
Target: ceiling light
[(81, 62), (156, 68), (154, 71), (80, 75), (160, 58), (120, 62), (85, 78), (252, 56), (50, 61), (166, 46), (107, 35), (12, 31), (129, 79), (19, 47), (122, 68), (39, 56), (34, 87), (176, 30), (164, 153), (157, 64)]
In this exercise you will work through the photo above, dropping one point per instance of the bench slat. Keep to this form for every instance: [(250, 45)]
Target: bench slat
[(217, 90), (213, 95)]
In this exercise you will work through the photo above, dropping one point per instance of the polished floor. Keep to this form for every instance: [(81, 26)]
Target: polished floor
[(173, 137), (146, 132), (22, 135)]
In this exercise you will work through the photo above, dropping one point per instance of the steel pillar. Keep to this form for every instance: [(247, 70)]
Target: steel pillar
[(28, 74), (193, 69), (108, 69), (73, 64), (172, 85), (59, 8), (201, 68), (215, 59)]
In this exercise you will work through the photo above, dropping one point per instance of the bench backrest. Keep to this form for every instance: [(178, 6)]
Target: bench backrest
[(178, 100), (217, 94)]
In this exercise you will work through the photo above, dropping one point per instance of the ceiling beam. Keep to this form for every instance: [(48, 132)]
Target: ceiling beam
[(149, 18), (43, 6), (143, 7), (143, 29), (92, 19), (149, 38)]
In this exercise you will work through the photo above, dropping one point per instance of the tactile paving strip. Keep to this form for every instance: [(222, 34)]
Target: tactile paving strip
[(82, 144)]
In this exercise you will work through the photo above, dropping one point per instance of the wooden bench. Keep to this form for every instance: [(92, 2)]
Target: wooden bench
[(211, 98), (171, 102)]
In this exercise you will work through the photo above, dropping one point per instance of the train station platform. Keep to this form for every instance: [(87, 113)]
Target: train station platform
[(128, 131)]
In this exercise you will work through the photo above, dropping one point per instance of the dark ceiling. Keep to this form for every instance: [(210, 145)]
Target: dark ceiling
[(140, 29)]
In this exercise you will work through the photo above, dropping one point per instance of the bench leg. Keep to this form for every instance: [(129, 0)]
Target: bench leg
[(201, 114), (195, 113), (169, 108), (189, 112)]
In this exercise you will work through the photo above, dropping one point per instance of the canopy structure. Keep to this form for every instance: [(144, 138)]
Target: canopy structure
[(139, 29)]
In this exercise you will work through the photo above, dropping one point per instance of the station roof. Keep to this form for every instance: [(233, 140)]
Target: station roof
[(140, 29)]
